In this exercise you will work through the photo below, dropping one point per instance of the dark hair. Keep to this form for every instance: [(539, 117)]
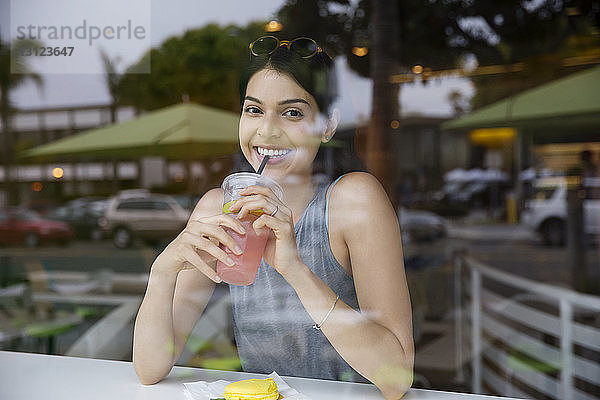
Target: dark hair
[(316, 75)]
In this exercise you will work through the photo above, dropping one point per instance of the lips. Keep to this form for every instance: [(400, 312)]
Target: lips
[(276, 154)]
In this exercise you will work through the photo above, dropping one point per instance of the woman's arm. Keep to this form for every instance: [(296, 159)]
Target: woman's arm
[(181, 282), (377, 341)]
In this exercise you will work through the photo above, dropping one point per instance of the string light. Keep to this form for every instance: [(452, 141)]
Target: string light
[(273, 26), (417, 69), (58, 172), (360, 51)]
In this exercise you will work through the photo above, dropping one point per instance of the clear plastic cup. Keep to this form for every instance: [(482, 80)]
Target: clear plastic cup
[(253, 243)]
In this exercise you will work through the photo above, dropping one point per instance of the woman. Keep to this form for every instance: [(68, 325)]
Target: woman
[(330, 298)]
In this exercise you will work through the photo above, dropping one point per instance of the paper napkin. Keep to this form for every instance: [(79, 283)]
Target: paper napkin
[(209, 390)]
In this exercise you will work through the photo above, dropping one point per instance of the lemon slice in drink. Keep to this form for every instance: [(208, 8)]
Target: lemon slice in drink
[(226, 206)]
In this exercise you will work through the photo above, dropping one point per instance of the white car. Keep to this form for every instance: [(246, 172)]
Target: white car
[(546, 212), (140, 214)]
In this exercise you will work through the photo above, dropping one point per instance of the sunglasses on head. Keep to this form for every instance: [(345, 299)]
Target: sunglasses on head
[(302, 46)]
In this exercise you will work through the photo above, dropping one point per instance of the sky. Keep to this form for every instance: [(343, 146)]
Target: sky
[(170, 18)]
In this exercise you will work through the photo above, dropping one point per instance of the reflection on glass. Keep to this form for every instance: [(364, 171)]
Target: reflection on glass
[(479, 121)]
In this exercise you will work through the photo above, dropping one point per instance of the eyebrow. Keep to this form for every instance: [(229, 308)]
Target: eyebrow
[(254, 99), (289, 101)]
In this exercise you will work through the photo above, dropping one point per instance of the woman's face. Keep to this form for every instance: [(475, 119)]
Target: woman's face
[(281, 119)]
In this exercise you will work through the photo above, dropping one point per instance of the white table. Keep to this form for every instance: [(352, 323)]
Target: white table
[(36, 376)]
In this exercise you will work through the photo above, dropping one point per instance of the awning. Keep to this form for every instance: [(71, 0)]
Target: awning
[(568, 103), (181, 131)]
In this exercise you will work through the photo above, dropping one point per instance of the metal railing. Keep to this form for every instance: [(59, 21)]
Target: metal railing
[(528, 339)]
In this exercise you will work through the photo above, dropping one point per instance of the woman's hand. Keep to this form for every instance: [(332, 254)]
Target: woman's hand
[(281, 251), (197, 246)]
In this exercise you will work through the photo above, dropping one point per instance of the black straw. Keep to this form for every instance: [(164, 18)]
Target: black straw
[(262, 165)]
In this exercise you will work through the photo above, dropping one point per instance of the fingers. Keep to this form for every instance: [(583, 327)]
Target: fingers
[(280, 228), (256, 189), (258, 192), (195, 260), (233, 223), (252, 205), (212, 231), (202, 243), (224, 220), (208, 246), (249, 204)]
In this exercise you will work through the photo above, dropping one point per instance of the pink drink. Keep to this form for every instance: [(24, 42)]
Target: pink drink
[(246, 264), (243, 272)]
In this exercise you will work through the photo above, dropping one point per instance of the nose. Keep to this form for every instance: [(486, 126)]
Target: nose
[(268, 128)]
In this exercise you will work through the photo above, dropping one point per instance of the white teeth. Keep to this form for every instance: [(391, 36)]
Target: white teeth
[(272, 152)]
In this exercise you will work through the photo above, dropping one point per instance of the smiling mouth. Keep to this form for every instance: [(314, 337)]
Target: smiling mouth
[(272, 153)]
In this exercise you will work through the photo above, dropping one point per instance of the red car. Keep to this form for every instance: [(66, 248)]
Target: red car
[(20, 225)]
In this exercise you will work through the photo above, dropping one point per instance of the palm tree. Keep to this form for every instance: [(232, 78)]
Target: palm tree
[(113, 83), (112, 79), (14, 71)]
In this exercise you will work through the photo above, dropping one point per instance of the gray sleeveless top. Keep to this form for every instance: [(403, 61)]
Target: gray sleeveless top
[(273, 331)]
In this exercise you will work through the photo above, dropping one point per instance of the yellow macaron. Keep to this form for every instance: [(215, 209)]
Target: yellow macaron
[(252, 389)]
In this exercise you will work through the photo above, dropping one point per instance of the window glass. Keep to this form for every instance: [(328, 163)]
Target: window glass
[(61, 212), (27, 215), (136, 205), (161, 205), (78, 212), (412, 157), (544, 193)]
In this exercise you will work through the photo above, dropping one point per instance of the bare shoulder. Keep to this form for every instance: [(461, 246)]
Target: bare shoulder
[(362, 221), (358, 189), (357, 200), (210, 204)]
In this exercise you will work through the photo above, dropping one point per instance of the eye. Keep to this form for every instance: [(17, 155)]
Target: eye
[(293, 113), (252, 110)]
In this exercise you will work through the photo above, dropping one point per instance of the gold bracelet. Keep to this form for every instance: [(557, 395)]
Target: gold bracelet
[(318, 326)]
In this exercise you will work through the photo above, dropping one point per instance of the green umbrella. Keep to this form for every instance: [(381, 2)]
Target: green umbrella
[(181, 131), (569, 103)]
